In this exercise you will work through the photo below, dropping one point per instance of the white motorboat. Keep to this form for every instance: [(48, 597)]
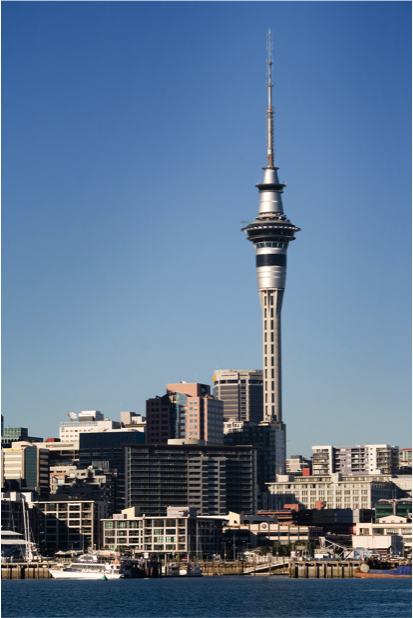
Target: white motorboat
[(175, 570), (171, 570), (193, 570), (90, 566)]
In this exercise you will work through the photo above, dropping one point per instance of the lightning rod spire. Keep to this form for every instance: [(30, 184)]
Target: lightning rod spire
[(270, 111)]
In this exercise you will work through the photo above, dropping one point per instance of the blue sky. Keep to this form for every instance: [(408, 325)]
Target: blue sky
[(133, 135)]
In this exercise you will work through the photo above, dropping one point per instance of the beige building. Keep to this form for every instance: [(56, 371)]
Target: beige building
[(334, 491), (181, 531), (266, 532), (27, 465)]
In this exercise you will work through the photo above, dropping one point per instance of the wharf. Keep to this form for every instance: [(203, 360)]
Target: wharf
[(326, 569), (26, 570)]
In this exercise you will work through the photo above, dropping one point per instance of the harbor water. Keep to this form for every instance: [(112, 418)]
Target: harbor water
[(208, 597)]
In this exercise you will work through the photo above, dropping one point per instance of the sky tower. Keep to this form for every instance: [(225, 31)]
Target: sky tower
[(271, 232)]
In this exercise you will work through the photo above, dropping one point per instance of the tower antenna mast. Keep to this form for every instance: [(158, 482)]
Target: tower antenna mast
[(270, 111)]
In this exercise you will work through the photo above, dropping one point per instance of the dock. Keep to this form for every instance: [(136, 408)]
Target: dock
[(326, 569)]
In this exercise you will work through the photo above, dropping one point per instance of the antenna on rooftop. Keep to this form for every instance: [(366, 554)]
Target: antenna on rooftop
[(72, 416)]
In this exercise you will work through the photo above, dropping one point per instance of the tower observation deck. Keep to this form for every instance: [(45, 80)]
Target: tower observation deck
[(271, 232)]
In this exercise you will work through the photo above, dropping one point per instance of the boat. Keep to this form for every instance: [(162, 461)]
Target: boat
[(174, 570), (192, 570), (171, 570), (91, 566), (365, 572)]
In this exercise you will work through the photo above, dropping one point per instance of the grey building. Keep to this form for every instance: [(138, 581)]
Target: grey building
[(241, 390), (213, 479), (90, 484), (269, 440), (68, 522), (106, 449)]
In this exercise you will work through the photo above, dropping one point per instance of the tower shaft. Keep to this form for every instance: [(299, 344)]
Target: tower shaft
[(271, 303)]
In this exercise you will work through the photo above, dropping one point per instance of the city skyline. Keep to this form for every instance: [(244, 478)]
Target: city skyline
[(130, 151)]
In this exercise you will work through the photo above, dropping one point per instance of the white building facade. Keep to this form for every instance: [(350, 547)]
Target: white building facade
[(335, 491)]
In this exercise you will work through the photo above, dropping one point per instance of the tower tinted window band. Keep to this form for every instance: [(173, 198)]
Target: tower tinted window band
[(271, 259)]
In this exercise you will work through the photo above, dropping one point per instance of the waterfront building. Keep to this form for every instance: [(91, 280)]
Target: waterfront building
[(25, 466), (389, 525), (364, 459), (213, 479), (186, 411), (180, 531), (271, 233), (241, 392), (249, 536), (376, 539), (269, 441), (333, 491), (64, 523), (335, 521)]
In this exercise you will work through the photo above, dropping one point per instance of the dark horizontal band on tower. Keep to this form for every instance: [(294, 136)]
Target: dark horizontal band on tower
[(271, 259)]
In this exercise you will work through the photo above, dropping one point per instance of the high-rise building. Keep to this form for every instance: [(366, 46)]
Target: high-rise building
[(271, 233), (186, 411), (108, 449), (241, 392), (214, 479), (269, 440), (364, 459)]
